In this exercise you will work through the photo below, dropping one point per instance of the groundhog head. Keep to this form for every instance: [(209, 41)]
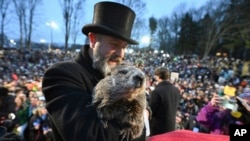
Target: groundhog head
[(120, 97)]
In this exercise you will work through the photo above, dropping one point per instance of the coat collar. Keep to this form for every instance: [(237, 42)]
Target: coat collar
[(165, 82), (85, 60)]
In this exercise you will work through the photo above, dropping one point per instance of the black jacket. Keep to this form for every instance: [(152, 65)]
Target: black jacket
[(7, 105), (67, 87), (163, 102)]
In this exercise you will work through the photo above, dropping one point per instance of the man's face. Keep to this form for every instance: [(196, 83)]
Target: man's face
[(108, 52)]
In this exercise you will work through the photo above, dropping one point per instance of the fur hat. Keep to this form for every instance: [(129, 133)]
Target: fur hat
[(112, 19)]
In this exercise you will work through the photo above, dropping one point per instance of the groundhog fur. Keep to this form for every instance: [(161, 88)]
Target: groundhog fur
[(120, 97)]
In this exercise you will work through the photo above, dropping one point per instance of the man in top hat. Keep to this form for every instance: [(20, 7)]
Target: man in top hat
[(67, 86)]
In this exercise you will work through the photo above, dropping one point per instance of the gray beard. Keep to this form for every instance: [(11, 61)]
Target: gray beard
[(101, 65)]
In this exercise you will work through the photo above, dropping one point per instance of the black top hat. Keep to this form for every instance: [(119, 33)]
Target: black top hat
[(112, 19)]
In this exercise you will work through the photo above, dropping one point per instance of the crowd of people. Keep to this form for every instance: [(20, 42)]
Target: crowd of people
[(45, 94), (22, 73)]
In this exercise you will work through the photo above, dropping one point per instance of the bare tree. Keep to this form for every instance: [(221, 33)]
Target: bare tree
[(164, 35), (175, 25), (25, 12), (4, 5), (28, 25), (77, 18), (246, 37), (139, 6), (152, 27), (20, 7), (67, 10), (70, 10), (219, 27)]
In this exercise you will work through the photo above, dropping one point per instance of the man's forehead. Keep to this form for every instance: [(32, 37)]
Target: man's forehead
[(115, 39)]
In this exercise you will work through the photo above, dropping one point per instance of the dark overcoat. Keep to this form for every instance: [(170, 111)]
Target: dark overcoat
[(67, 87), (163, 102)]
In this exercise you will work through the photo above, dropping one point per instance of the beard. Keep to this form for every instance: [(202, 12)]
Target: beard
[(101, 65), (100, 62)]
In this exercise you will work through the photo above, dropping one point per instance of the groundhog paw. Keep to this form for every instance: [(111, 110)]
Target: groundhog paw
[(126, 135), (104, 123)]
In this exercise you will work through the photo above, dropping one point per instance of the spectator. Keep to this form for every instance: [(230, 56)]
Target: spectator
[(8, 136), (218, 118), (21, 113), (179, 122), (7, 107), (33, 104), (164, 102), (39, 125), (190, 110)]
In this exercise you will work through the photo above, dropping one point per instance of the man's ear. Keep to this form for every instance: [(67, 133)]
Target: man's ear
[(92, 39)]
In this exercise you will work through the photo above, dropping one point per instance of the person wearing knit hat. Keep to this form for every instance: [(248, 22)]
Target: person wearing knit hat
[(139, 63)]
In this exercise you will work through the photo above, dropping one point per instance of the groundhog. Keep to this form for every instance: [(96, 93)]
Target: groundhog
[(120, 97)]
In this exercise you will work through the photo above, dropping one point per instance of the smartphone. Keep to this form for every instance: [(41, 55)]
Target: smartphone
[(227, 103)]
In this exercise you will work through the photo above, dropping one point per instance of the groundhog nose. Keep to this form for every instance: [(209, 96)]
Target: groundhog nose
[(138, 81)]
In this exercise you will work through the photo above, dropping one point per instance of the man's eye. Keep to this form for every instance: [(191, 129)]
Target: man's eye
[(114, 44)]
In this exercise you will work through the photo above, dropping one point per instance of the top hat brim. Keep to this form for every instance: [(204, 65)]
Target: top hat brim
[(96, 28)]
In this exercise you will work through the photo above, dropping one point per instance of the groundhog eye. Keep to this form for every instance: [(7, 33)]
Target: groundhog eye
[(123, 71)]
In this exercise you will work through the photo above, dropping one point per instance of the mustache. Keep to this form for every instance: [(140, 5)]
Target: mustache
[(101, 63), (116, 58)]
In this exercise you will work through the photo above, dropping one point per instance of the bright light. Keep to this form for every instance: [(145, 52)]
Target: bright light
[(166, 55), (52, 24), (129, 50), (12, 42), (42, 41), (155, 51), (145, 39)]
